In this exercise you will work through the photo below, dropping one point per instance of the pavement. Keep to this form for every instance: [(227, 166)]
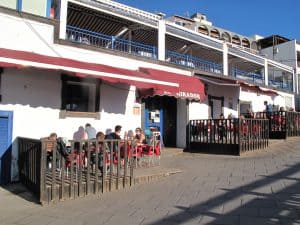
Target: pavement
[(260, 187)]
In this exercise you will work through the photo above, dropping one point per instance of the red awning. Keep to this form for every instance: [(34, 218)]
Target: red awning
[(22, 59), (189, 87)]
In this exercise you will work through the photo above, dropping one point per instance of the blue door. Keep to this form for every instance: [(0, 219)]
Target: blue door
[(5, 145), (154, 120)]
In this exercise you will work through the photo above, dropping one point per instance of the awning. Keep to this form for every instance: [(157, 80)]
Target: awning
[(22, 59), (222, 81), (189, 87), (150, 82)]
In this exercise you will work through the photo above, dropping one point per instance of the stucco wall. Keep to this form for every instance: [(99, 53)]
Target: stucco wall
[(230, 94), (282, 99), (34, 96)]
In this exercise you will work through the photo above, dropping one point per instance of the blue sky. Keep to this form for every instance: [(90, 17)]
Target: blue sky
[(263, 17)]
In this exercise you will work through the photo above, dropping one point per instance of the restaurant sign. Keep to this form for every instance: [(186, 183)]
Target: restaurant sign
[(183, 94)]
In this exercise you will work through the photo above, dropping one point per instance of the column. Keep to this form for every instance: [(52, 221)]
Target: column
[(225, 59), (161, 40), (295, 89), (63, 19), (266, 72)]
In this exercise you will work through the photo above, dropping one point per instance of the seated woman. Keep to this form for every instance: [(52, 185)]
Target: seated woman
[(139, 137)]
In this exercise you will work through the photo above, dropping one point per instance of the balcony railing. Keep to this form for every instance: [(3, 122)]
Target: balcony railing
[(111, 42), (252, 77), (193, 62), (285, 85)]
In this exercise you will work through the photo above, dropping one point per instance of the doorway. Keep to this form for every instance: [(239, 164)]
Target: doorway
[(5, 145), (161, 113), (216, 105)]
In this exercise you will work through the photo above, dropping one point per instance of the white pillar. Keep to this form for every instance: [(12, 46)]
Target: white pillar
[(225, 59), (295, 80), (63, 19), (266, 72), (161, 40)]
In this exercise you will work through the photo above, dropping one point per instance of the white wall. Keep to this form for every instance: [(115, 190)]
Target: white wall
[(257, 100), (198, 110), (230, 94), (35, 98), (286, 53), (26, 35)]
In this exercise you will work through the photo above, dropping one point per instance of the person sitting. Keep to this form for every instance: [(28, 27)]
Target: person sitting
[(100, 136), (139, 137), (91, 131), (80, 134), (115, 135)]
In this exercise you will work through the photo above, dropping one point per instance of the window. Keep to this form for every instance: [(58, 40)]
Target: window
[(80, 94)]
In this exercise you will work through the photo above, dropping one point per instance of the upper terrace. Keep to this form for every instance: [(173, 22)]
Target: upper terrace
[(110, 25), (116, 27)]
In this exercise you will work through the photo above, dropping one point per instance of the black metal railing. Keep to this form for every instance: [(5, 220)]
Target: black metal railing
[(228, 136), (30, 163), (282, 124)]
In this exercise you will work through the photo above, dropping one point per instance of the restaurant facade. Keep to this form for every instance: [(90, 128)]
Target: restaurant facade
[(51, 84)]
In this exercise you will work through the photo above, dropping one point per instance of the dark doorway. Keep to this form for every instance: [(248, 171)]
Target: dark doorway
[(161, 112), (216, 105)]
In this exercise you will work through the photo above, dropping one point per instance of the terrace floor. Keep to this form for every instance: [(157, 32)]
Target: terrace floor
[(260, 187)]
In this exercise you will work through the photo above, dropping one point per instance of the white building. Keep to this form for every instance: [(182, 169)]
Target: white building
[(106, 63)]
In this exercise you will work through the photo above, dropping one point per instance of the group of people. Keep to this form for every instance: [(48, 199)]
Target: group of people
[(90, 133)]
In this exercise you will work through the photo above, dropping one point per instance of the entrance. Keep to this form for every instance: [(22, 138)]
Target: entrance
[(216, 106), (161, 113), (5, 145)]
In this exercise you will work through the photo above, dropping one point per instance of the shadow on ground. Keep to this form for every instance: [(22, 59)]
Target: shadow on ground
[(254, 206), (19, 190)]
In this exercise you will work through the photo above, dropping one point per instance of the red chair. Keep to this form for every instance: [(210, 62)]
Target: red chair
[(152, 151), (136, 153)]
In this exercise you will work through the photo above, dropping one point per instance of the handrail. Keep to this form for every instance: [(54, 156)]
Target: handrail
[(83, 36), (281, 84), (193, 62), (253, 76)]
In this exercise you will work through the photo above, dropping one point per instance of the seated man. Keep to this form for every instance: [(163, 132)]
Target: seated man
[(114, 136)]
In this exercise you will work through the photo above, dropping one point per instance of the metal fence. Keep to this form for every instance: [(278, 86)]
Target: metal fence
[(193, 62), (227, 136), (282, 124), (30, 163), (87, 37), (285, 85), (252, 77), (55, 172)]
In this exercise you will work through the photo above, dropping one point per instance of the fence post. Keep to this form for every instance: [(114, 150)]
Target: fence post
[(239, 136), (113, 42), (42, 173)]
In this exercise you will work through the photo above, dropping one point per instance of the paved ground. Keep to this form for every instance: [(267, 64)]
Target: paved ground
[(257, 188)]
